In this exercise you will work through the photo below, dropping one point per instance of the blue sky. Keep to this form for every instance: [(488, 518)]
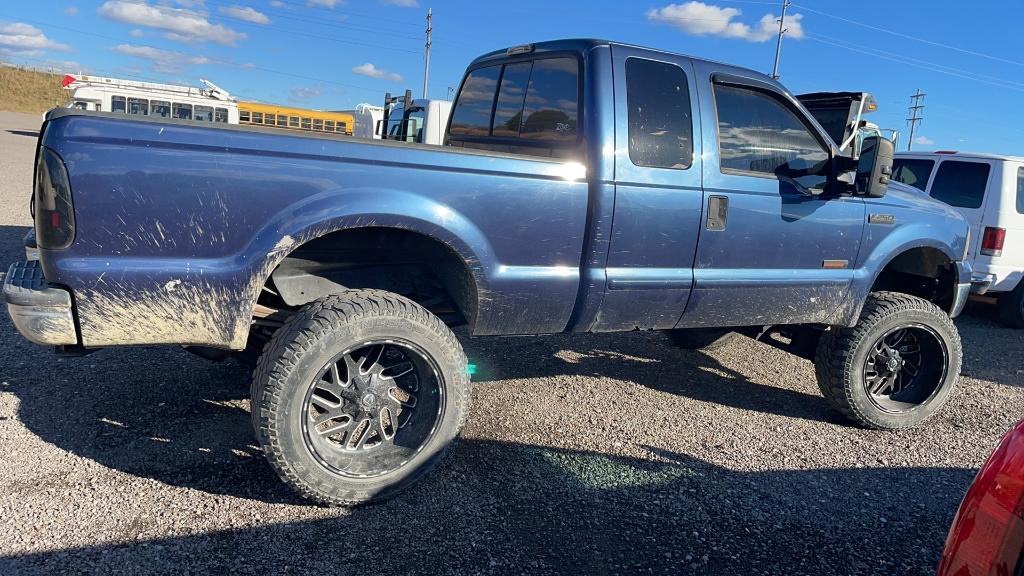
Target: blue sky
[(333, 54)]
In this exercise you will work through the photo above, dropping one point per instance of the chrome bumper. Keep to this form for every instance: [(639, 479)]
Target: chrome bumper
[(959, 299), (39, 310)]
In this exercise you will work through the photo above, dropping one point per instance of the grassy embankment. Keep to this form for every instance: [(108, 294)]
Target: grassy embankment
[(30, 91)]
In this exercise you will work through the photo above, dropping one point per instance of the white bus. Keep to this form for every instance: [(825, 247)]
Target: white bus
[(210, 104)]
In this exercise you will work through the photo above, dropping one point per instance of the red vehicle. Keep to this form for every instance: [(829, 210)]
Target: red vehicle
[(987, 536)]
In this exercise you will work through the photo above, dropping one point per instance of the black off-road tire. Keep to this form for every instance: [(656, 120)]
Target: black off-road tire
[(1011, 307), (706, 339), (842, 353), (299, 351)]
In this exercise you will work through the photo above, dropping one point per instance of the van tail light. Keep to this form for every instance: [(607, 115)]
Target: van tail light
[(992, 241), (54, 214), (987, 534)]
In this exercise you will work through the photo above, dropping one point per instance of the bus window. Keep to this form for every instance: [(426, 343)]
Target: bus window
[(293, 121), (282, 121), (306, 124), (220, 115), (318, 125), (243, 116), (204, 113), (269, 119), (160, 108), (343, 127), (328, 125), (117, 104), (257, 117), (138, 106), (181, 111)]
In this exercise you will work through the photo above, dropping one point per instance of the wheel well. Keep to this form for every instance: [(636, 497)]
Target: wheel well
[(401, 261), (923, 272)]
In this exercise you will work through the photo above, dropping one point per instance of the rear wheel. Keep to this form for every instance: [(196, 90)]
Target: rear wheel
[(1011, 307), (358, 395), (701, 338), (896, 367)]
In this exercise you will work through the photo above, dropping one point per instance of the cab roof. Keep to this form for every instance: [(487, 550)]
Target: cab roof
[(957, 154)]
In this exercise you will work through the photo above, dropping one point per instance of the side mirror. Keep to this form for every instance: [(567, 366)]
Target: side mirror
[(874, 167)]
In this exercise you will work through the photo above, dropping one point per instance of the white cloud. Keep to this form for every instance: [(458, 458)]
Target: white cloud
[(924, 141), (277, 4), (325, 3), (26, 40), (304, 93), (247, 13), (71, 11), (163, 61), (136, 33), (700, 19), (372, 71), (178, 23), (402, 3)]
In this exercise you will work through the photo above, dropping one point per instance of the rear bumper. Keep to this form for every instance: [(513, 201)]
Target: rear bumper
[(41, 311)]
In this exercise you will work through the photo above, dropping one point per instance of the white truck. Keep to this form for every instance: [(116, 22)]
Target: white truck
[(403, 118), (988, 189)]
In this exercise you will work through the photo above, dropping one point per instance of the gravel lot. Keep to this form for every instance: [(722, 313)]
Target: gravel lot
[(592, 454)]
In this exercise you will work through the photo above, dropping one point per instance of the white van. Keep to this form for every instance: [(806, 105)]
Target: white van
[(988, 189)]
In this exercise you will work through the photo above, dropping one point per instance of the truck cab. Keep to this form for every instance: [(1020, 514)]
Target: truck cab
[(420, 120)]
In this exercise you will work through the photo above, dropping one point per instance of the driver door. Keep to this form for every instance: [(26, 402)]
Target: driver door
[(768, 251)]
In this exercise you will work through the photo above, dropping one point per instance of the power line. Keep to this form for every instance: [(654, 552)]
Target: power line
[(909, 37), (924, 64), (915, 109)]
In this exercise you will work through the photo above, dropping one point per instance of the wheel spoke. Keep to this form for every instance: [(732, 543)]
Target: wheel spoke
[(896, 337), (399, 370), (880, 385), (323, 403), (352, 366), (910, 369)]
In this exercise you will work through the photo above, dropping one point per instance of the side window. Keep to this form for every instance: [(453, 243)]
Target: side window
[(1020, 190), (138, 106), (552, 100), (204, 113), (220, 115), (160, 108), (912, 172), (756, 133), (318, 125), (181, 111), (243, 116), (282, 121), (961, 184), (660, 122), (117, 104), (472, 114), (307, 124), (270, 119), (293, 121), (508, 112)]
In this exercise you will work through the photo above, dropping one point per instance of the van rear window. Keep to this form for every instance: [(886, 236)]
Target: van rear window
[(912, 172), (1020, 190), (961, 184)]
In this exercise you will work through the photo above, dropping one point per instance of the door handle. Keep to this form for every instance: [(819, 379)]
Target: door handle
[(718, 212)]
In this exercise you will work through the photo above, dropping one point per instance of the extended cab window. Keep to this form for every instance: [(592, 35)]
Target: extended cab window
[(757, 133), (660, 125), (912, 172), (961, 184), (529, 107)]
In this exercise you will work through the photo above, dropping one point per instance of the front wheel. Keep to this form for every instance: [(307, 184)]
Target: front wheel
[(358, 395), (896, 367)]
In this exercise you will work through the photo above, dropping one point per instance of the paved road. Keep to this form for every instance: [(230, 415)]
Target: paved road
[(590, 455)]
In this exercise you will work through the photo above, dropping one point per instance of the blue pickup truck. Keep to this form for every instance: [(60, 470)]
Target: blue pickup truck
[(584, 186)]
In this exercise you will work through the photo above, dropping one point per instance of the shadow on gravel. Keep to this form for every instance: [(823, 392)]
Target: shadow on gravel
[(518, 509), (30, 133), (647, 359), (992, 351)]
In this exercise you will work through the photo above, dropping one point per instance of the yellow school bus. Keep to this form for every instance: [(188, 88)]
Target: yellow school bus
[(256, 114)]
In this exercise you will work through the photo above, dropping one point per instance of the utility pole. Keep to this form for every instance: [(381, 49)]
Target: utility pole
[(915, 115), (426, 63), (778, 44)]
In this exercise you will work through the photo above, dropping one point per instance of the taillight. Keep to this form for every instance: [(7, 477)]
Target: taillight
[(54, 214), (992, 241), (987, 535)]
